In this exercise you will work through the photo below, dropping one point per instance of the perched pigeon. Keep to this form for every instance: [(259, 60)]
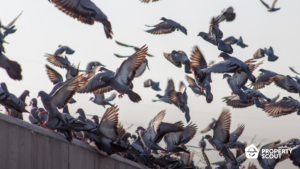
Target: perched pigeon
[(221, 135), (152, 84), (230, 65), (134, 47), (101, 100), (286, 83), (255, 93), (232, 40), (33, 116), (178, 58), (156, 131), (263, 79), (227, 14), (125, 74), (195, 88), (167, 26), (210, 126), (272, 9), (165, 97), (9, 29), (12, 68), (173, 140), (285, 106), (15, 113), (203, 80), (86, 12), (270, 163), (61, 49), (179, 99)]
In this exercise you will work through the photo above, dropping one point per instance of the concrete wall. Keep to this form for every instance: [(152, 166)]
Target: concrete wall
[(26, 146)]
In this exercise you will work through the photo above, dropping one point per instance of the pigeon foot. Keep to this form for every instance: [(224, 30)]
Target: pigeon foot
[(221, 154), (121, 95)]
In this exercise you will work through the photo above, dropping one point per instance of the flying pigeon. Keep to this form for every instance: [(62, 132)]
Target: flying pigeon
[(167, 26), (178, 58)]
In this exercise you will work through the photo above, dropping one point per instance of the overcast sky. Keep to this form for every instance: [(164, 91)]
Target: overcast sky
[(42, 27)]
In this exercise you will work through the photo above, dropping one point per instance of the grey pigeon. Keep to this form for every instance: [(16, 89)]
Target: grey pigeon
[(92, 68), (61, 49), (167, 26), (235, 102), (179, 99), (270, 163), (12, 68), (101, 100), (10, 28), (286, 83), (225, 47), (156, 131), (84, 11), (195, 88), (272, 8), (125, 75), (134, 47), (142, 68), (203, 80), (263, 79), (152, 84), (255, 93), (210, 126), (235, 88), (15, 113), (207, 38), (10, 101), (165, 97), (230, 65), (178, 58), (227, 15), (232, 40), (221, 135), (271, 56), (173, 140), (285, 106), (94, 85)]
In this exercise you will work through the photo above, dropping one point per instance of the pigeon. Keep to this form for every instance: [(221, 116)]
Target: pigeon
[(235, 102), (178, 58), (58, 98), (210, 126), (286, 83), (92, 68), (12, 68), (214, 30), (9, 29), (101, 100), (165, 97), (167, 26), (33, 114), (15, 113), (227, 15), (94, 85), (235, 135), (270, 163), (285, 106), (152, 84), (255, 93), (10, 101), (125, 75), (147, 1), (263, 79), (221, 135), (230, 65), (134, 47), (173, 140), (61, 49), (232, 40), (195, 88), (179, 99), (203, 80), (156, 131), (208, 38), (86, 12), (270, 53), (272, 9), (225, 47)]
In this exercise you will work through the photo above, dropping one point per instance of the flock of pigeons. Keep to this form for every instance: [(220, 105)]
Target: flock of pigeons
[(108, 134)]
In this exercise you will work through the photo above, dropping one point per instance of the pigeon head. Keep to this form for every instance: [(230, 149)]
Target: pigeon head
[(43, 95), (226, 76), (59, 46), (26, 93), (105, 79), (159, 96), (33, 102), (224, 55), (92, 99), (202, 34), (81, 113), (98, 64), (140, 130), (208, 137), (126, 136), (96, 119), (163, 18)]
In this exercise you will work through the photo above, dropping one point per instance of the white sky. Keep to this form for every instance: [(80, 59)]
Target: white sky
[(42, 27)]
